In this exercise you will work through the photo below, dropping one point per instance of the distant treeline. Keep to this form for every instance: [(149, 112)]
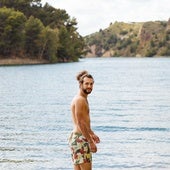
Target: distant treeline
[(30, 30)]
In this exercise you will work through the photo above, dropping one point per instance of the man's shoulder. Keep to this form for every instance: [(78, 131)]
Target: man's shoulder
[(78, 99)]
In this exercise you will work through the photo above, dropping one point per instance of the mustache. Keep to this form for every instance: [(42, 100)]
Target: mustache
[(87, 91)]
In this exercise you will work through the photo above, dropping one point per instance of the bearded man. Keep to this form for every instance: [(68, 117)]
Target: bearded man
[(83, 140)]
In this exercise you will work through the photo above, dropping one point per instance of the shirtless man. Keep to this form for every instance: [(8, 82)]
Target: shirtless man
[(82, 140)]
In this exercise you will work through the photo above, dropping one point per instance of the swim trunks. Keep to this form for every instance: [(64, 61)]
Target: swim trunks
[(80, 150)]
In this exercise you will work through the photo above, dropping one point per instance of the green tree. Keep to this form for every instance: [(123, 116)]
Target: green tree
[(134, 46), (52, 17), (64, 41), (150, 52), (50, 39), (33, 33), (75, 41), (112, 39), (28, 7), (69, 45), (11, 32)]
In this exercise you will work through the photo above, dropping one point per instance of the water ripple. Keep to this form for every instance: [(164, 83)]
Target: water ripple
[(118, 128)]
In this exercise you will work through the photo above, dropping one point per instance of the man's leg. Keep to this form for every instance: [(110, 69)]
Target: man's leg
[(86, 166), (77, 167)]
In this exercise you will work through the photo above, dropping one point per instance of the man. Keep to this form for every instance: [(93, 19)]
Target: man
[(82, 140)]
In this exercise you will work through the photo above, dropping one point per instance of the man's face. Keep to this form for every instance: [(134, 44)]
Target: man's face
[(87, 85)]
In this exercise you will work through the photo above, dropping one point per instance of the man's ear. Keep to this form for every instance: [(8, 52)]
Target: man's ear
[(80, 84)]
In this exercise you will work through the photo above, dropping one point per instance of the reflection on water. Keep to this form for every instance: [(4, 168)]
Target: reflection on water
[(130, 112)]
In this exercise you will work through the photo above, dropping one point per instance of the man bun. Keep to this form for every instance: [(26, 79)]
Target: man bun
[(81, 75)]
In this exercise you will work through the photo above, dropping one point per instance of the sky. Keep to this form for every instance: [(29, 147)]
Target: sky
[(93, 15)]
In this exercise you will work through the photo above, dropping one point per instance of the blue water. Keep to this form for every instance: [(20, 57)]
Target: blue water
[(130, 111)]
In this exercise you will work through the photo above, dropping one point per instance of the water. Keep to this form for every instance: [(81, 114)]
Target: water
[(130, 111)]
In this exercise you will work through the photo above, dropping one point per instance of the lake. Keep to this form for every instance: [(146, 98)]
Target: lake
[(130, 111)]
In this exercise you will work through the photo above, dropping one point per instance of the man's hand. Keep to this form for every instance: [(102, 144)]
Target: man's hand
[(93, 147), (95, 138)]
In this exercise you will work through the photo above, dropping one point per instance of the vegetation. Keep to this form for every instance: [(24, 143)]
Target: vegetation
[(30, 30), (130, 39)]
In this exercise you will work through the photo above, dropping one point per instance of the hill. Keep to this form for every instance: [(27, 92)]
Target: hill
[(136, 39)]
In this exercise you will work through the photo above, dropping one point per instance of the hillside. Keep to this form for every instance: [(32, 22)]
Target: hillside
[(135, 39)]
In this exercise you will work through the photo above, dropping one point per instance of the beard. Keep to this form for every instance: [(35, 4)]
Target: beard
[(87, 91)]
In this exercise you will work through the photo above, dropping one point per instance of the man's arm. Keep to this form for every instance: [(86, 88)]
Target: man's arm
[(81, 123)]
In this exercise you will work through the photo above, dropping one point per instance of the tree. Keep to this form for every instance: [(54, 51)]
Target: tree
[(112, 39), (50, 16), (64, 40), (150, 52), (25, 6), (50, 39), (76, 42), (71, 43), (33, 32), (11, 32)]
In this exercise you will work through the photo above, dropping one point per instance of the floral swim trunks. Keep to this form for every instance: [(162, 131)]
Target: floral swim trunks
[(80, 150)]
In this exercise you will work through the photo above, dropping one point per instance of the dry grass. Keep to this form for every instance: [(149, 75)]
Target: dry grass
[(22, 61)]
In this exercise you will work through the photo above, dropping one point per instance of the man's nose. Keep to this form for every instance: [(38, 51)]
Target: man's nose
[(89, 85)]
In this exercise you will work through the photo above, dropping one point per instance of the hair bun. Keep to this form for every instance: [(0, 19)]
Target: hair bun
[(81, 74)]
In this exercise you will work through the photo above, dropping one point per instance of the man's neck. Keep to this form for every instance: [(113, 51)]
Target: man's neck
[(81, 93)]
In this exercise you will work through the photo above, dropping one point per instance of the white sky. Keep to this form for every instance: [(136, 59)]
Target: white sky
[(93, 15)]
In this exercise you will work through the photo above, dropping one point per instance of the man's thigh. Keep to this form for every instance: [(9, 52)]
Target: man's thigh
[(86, 166)]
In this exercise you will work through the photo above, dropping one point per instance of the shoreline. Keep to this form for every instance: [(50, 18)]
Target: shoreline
[(28, 61), (22, 61)]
